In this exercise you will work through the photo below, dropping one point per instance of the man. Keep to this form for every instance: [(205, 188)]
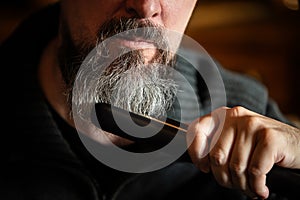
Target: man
[(47, 159)]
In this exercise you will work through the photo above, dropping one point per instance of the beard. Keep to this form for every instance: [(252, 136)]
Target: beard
[(129, 82)]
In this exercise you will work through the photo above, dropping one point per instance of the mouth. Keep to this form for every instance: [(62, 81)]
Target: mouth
[(136, 43)]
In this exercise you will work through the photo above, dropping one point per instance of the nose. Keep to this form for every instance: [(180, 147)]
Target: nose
[(143, 8)]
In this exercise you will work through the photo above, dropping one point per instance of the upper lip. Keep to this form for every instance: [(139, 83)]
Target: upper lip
[(136, 39)]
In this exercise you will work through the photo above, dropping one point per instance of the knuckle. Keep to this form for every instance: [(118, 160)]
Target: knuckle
[(267, 138), (255, 171), (236, 169), (266, 133), (218, 158), (236, 111), (252, 121)]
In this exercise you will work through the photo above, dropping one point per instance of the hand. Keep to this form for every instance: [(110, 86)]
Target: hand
[(240, 147)]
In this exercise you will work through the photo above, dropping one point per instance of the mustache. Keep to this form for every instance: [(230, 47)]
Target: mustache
[(131, 28)]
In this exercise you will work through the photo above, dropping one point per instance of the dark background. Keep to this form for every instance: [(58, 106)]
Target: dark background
[(256, 37)]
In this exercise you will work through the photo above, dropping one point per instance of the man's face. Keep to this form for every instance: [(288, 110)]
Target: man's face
[(88, 22), (84, 17)]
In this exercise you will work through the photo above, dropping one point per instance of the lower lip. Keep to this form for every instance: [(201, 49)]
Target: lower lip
[(136, 44)]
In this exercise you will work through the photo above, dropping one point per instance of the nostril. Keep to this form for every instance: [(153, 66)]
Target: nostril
[(155, 15)]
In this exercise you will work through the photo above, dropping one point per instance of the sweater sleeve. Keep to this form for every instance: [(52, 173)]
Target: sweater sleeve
[(273, 111)]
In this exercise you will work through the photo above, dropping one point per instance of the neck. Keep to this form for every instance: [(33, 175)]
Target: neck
[(52, 83)]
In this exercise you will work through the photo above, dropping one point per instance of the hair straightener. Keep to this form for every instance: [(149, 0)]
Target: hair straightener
[(164, 129)]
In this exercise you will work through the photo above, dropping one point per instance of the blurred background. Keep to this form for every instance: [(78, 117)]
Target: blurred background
[(256, 37)]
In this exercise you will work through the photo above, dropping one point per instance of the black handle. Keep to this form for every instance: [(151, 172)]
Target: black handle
[(167, 127)]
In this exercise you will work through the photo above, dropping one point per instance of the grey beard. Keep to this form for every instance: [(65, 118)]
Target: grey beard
[(129, 84), (147, 90)]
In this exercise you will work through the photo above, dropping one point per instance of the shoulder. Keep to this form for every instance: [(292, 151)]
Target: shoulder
[(244, 90), (241, 89)]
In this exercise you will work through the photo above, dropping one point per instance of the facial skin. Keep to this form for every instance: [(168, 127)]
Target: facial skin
[(84, 17)]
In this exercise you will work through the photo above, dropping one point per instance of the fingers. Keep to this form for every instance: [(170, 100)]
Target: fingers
[(206, 132), (239, 161), (229, 150), (219, 157), (260, 165)]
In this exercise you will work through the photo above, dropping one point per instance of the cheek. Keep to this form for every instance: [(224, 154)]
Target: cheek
[(84, 17), (178, 22)]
